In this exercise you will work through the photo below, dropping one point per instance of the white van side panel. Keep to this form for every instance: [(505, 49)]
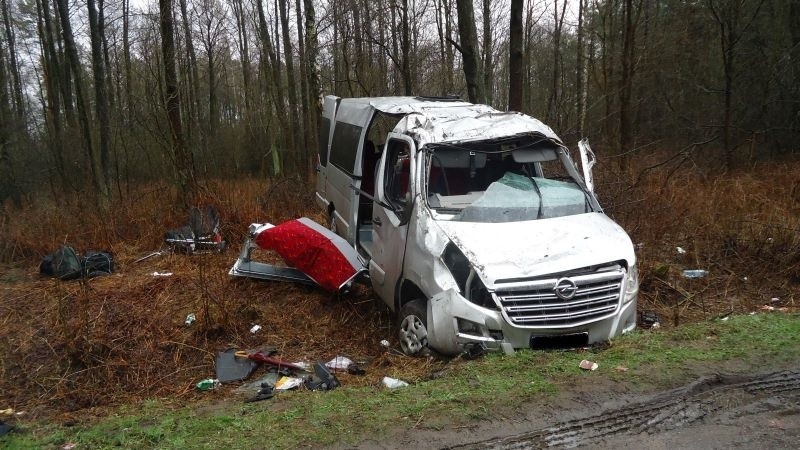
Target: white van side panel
[(329, 105), (344, 165)]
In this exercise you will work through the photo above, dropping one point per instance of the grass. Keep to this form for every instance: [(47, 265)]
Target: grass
[(467, 391)]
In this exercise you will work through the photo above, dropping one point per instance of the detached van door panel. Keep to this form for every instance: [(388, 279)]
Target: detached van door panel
[(394, 187), (344, 165), (325, 135)]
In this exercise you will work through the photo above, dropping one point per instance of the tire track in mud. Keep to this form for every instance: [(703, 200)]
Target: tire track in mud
[(718, 396)]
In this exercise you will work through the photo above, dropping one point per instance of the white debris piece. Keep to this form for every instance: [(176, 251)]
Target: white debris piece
[(588, 365), (339, 363), (162, 274), (393, 383)]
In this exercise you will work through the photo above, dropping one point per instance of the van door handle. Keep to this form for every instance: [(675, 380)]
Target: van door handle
[(377, 221)]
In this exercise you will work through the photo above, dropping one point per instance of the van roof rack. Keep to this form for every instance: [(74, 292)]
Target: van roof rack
[(434, 98)]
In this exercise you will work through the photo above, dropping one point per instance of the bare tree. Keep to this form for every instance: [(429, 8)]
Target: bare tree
[(19, 102), (733, 19), (487, 50), (469, 51), (314, 94), (96, 27), (82, 101), (296, 125), (515, 61), (182, 159)]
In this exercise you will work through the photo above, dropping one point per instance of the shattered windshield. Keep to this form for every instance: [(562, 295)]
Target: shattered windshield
[(506, 181)]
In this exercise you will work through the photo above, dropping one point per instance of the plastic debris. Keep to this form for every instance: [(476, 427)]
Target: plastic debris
[(322, 380), (474, 351), (695, 273), (190, 319), (339, 363), (286, 383), (255, 329), (5, 428), (649, 319), (621, 369), (302, 365), (7, 411), (393, 383), (588, 365), (69, 446), (161, 274), (266, 392), (680, 250), (775, 300), (230, 368), (385, 343), (208, 384), (355, 369)]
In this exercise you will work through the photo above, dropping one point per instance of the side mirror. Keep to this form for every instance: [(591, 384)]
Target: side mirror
[(587, 162)]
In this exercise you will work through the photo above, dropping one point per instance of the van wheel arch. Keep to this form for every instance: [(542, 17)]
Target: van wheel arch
[(408, 291)]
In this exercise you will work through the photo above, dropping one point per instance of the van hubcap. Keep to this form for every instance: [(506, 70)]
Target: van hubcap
[(413, 335)]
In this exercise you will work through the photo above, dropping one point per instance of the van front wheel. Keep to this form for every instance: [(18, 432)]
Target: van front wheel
[(413, 330)]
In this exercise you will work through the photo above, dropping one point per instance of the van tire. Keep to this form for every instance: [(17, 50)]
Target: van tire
[(412, 329)]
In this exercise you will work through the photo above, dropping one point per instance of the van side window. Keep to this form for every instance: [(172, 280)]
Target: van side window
[(396, 175)]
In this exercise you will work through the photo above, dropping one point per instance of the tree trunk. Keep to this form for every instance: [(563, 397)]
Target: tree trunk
[(314, 93), (183, 161), (554, 100), (65, 76), (626, 86), (193, 105), (487, 50), (515, 56), (580, 72), (294, 118), (469, 46), (304, 110), (8, 184), (82, 102), (101, 97), (268, 53), (19, 100), (126, 52), (51, 71), (405, 46)]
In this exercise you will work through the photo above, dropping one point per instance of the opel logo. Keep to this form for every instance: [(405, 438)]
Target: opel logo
[(565, 288)]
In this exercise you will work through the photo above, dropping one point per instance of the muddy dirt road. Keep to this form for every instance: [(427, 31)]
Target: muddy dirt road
[(713, 411)]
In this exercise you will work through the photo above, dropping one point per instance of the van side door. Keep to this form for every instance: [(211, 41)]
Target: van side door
[(394, 194), (344, 165), (326, 124)]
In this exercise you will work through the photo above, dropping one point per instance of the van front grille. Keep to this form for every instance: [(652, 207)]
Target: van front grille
[(535, 303)]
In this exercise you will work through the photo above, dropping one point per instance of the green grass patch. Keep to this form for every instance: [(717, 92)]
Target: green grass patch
[(469, 391)]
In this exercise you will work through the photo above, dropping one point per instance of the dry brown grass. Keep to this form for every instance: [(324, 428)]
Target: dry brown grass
[(67, 346), (744, 228)]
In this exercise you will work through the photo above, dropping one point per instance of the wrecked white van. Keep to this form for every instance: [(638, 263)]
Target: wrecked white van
[(475, 224)]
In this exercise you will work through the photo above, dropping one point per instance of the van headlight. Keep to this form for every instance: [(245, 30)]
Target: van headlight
[(631, 284), (472, 288)]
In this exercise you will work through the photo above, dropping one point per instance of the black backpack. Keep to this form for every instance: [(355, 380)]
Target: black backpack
[(96, 264), (63, 264)]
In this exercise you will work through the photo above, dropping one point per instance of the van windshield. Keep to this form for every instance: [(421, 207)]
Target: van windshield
[(504, 182)]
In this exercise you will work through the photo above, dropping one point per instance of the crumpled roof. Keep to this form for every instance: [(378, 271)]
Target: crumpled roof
[(447, 121)]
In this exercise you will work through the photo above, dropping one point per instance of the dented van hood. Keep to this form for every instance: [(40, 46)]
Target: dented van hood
[(533, 248)]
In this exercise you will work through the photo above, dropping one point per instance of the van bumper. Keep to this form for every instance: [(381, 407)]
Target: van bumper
[(455, 323)]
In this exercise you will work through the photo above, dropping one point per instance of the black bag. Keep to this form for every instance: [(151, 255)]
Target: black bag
[(63, 264), (97, 264)]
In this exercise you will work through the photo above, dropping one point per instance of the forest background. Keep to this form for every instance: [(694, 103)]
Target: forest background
[(98, 96)]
